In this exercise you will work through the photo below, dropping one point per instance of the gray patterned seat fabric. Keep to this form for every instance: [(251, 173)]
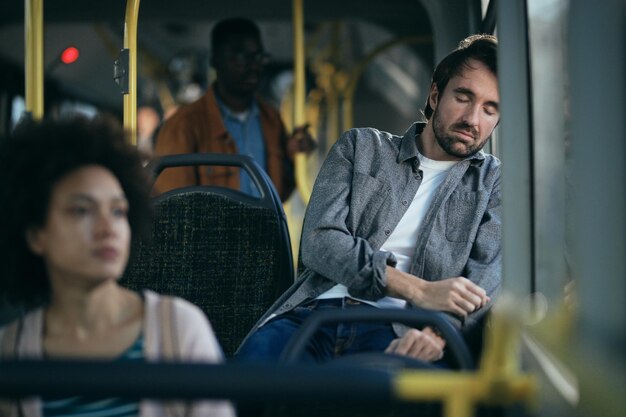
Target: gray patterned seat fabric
[(218, 249)]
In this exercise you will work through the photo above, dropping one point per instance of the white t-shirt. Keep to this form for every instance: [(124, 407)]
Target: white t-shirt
[(401, 242)]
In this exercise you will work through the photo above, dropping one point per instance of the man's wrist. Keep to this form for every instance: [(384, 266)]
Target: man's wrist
[(417, 291), (405, 286)]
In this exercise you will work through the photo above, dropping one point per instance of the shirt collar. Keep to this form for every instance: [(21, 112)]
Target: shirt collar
[(408, 145), (228, 113)]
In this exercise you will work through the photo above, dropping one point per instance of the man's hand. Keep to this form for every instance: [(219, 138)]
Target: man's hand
[(456, 295), (300, 141), (423, 344)]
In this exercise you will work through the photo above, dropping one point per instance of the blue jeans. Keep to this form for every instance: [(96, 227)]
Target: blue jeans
[(330, 341)]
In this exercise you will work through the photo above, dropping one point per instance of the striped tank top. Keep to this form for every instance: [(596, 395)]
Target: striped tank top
[(103, 407)]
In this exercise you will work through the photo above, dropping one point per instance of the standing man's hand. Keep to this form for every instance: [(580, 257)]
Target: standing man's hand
[(301, 141), (423, 344)]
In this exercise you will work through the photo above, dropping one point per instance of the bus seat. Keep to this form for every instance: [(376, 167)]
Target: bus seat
[(456, 347), (456, 350), (225, 251)]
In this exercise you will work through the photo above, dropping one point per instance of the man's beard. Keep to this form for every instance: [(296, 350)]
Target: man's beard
[(447, 142)]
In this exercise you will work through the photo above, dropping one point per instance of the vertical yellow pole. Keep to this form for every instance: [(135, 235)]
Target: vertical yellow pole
[(347, 107), (299, 119), (33, 31), (334, 92), (130, 43), (458, 405)]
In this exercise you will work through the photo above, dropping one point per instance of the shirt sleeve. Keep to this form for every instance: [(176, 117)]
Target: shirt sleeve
[(328, 246)]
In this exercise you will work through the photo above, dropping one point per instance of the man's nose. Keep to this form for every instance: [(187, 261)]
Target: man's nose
[(472, 115)]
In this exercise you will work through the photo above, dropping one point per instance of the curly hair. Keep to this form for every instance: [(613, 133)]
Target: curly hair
[(32, 162), (480, 47)]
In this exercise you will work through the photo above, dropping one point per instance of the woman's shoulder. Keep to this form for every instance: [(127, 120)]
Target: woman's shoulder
[(188, 322), (181, 308), (24, 332)]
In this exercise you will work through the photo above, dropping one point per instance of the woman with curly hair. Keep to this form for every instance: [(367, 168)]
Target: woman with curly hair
[(74, 194)]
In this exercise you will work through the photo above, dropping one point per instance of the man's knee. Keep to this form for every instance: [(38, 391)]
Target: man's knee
[(267, 343)]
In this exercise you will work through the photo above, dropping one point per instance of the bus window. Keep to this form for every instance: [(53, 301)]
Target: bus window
[(547, 46)]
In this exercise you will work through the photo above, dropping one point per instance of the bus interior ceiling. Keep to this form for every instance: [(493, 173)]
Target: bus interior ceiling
[(173, 49)]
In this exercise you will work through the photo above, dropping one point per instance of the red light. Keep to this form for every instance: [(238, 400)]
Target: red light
[(69, 55)]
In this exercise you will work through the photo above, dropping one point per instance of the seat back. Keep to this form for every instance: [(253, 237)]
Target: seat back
[(225, 251), (455, 344)]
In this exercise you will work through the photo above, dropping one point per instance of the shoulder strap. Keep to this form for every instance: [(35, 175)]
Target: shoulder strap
[(8, 350), (169, 341), (170, 348)]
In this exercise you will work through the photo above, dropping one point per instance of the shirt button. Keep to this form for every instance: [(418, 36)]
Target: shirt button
[(404, 202), (287, 305), (387, 232)]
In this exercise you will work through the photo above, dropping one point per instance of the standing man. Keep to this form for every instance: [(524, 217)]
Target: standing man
[(232, 118), (395, 222)]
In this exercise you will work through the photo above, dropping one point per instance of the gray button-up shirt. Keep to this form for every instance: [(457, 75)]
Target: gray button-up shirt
[(357, 202)]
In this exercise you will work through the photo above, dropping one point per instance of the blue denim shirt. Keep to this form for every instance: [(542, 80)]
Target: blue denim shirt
[(248, 137), (362, 191)]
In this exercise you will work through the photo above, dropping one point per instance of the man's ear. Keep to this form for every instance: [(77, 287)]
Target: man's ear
[(33, 239), (433, 96)]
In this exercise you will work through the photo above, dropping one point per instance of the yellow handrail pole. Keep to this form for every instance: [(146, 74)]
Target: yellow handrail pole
[(33, 57), (328, 74), (499, 380), (163, 93), (130, 43), (458, 405), (454, 389), (299, 115)]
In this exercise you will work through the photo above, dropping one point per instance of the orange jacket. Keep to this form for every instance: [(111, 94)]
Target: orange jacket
[(198, 128)]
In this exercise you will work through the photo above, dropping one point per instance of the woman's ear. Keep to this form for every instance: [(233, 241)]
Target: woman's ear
[(33, 239)]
